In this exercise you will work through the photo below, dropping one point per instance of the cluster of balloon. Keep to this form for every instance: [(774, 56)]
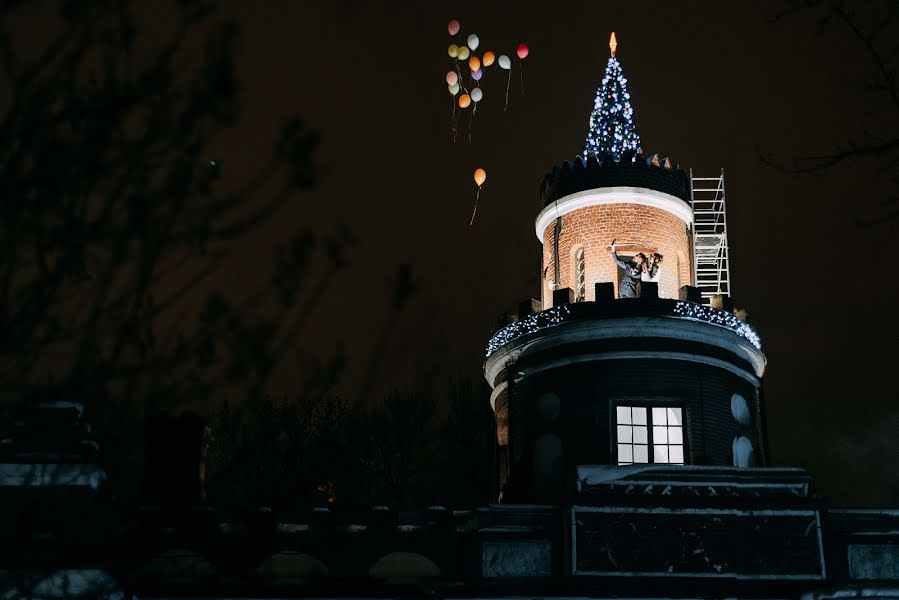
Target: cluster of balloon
[(473, 94), (480, 176), (463, 96)]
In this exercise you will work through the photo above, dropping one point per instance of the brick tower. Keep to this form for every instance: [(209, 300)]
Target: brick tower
[(612, 192), (589, 379), (642, 203)]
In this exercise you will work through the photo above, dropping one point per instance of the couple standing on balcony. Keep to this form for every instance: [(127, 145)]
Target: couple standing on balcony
[(640, 268)]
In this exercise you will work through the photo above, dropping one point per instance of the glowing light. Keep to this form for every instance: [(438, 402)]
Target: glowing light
[(530, 324), (562, 314), (701, 312), (612, 128)]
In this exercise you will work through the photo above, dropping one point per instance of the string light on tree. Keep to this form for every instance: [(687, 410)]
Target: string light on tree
[(612, 128)]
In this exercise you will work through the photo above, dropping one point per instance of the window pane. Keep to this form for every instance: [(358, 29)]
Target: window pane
[(675, 435), (640, 435), (639, 415), (641, 454), (674, 416), (660, 454), (624, 453), (624, 434), (659, 435), (658, 416), (624, 414), (676, 454)]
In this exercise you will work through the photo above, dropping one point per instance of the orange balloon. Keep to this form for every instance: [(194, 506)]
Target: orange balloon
[(489, 57), (464, 101), (474, 63), (480, 176)]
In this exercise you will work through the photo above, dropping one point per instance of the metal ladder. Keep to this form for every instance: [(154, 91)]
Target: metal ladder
[(711, 264)]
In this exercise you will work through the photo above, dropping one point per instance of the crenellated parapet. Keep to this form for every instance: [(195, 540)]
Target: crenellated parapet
[(633, 170)]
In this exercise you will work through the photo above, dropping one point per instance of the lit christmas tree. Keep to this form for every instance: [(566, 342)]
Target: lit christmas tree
[(612, 127)]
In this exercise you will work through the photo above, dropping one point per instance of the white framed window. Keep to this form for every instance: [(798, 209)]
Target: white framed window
[(649, 434)]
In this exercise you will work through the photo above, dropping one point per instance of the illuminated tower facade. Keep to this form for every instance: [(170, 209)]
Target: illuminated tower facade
[(613, 192), (584, 378)]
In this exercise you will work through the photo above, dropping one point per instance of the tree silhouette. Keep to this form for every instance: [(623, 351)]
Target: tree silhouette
[(873, 27), (112, 213)]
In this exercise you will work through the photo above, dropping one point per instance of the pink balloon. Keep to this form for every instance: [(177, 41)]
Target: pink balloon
[(522, 51), (453, 27), (451, 78), (476, 75)]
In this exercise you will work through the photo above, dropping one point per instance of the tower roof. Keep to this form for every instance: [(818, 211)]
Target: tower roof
[(612, 129)]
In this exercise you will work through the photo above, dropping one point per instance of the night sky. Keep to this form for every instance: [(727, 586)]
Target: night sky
[(713, 85)]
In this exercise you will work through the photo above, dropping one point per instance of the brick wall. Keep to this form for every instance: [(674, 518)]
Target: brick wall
[(637, 228)]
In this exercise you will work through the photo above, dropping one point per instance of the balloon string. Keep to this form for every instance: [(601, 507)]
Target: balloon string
[(471, 121), (508, 83), (521, 74), (453, 120), (476, 198), (459, 73)]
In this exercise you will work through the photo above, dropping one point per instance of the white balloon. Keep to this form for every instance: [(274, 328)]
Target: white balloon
[(504, 62), (473, 42), (477, 94)]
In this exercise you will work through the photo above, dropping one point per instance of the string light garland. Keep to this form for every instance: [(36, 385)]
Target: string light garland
[(612, 129), (562, 314), (530, 324), (707, 314)]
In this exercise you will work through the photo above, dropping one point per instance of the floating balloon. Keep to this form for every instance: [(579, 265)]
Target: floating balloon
[(480, 176), (474, 63), (506, 65), (452, 78), (477, 94), (464, 101), (464, 52), (453, 27), (453, 51), (473, 41), (488, 59), (522, 52), (476, 75), (453, 89)]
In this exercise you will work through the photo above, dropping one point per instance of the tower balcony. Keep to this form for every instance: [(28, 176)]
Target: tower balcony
[(616, 382), (629, 323)]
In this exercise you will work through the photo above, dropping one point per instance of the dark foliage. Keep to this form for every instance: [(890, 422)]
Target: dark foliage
[(113, 216)]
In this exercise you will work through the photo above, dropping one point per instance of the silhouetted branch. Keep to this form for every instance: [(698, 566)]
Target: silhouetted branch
[(871, 28)]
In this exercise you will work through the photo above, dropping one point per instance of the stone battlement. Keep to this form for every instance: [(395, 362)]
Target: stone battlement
[(632, 170)]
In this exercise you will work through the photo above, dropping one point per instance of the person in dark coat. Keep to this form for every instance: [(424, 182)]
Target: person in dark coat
[(632, 272)]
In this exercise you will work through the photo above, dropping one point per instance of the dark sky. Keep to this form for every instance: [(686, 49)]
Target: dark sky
[(711, 82)]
